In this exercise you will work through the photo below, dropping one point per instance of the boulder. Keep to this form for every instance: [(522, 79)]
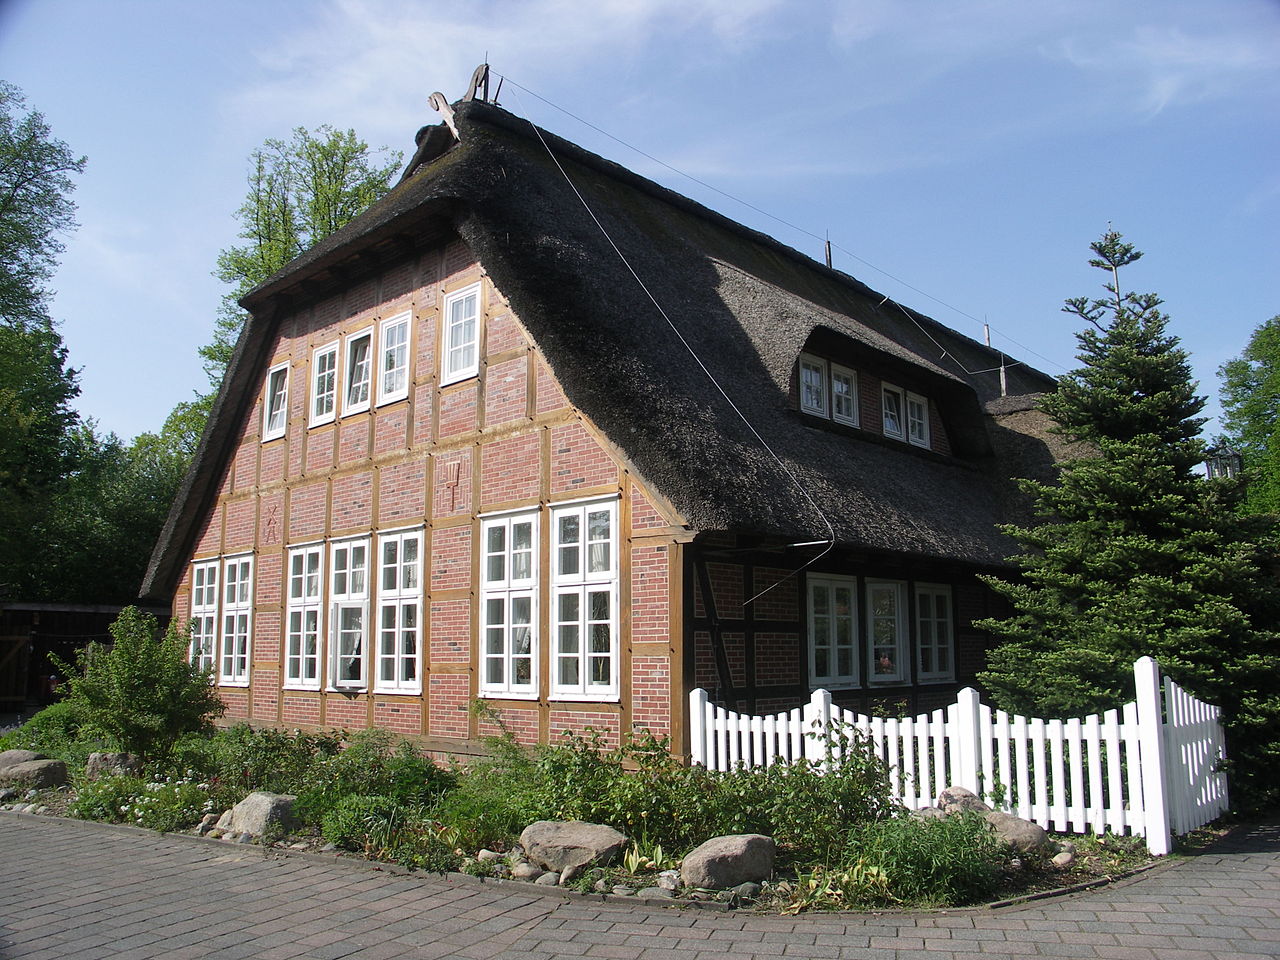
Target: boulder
[(260, 813), (557, 846), (955, 799), (11, 758), (112, 765), (724, 862), (1023, 835), (37, 774)]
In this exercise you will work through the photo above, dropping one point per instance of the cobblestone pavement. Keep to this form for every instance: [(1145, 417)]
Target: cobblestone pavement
[(80, 891)]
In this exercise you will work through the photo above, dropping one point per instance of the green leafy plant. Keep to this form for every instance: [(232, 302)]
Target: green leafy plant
[(823, 888), (109, 799), (945, 861), (60, 731)]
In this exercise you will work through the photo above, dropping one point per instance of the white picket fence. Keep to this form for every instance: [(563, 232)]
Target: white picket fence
[(1149, 768)]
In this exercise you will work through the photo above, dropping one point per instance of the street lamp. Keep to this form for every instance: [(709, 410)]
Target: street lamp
[(1223, 460)]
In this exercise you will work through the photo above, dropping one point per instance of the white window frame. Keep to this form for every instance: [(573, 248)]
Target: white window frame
[(825, 633), (917, 418), (888, 390), (324, 384), (304, 617), (348, 594), (236, 638), (896, 648), (814, 370), (275, 402), (398, 666), (363, 388), (454, 362), (574, 588), (935, 631), (203, 649), (393, 361), (839, 373), (509, 581)]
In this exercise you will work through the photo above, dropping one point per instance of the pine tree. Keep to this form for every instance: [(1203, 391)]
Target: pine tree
[(1135, 553)]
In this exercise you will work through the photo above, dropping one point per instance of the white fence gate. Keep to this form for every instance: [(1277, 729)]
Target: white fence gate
[(1149, 768)]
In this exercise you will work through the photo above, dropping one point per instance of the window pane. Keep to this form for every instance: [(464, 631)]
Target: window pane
[(600, 670), (569, 638), (569, 672), (599, 605), (599, 638)]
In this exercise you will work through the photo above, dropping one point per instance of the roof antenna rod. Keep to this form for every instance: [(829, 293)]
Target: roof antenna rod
[(1004, 382), (828, 249)]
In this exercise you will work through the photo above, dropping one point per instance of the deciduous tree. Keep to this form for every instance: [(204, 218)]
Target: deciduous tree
[(1250, 397)]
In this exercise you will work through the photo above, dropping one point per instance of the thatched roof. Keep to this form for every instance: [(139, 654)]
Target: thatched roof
[(746, 304)]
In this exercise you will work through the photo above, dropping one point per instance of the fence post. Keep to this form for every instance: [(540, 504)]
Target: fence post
[(967, 736), (698, 726), (816, 719), (1155, 806)]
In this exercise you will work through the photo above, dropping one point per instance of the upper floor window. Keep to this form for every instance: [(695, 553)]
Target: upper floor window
[(887, 628), (917, 420), (460, 357), (833, 619), (399, 612), (204, 615), (891, 410), (355, 395), (237, 618), (303, 618), (844, 395), (393, 366), (508, 605), (324, 383), (934, 632), (275, 409), (813, 385)]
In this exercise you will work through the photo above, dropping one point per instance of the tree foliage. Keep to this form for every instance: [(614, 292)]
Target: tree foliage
[(300, 191), (1250, 397), (1135, 553), (141, 692)]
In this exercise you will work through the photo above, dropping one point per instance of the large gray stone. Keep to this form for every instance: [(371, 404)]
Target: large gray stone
[(11, 758), (37, 774), (261, 813), (112, 765), (956, 799), (724, 862), (1023, 835), (557, 846)]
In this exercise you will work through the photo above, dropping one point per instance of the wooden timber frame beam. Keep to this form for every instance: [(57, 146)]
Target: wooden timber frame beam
[(724, 678)]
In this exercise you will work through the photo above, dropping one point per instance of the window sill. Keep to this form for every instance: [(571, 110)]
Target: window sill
[(508, 695), (300, 688), (819, 684), (585, 698), (399, 691), (223, 682)]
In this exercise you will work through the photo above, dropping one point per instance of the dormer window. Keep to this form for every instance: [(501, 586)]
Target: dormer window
[(917, 420), (844, 395), (275, 409), (891, 404), (813, 385)]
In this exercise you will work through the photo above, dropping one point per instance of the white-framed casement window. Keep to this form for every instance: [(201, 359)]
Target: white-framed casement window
[(891, 404), (393, 359), (833, 632), (348, 613), (358, 372), (204, 615), (813, 385), (304, 618), (399, 613), (887, 630), (844, 395), (509, 605), (460, 358), (917, 420), (934, 632), (324, 383), (275, 406), (237, 619), (584, 598)]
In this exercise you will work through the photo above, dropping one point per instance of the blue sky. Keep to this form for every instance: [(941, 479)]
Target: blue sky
[(966, 151)]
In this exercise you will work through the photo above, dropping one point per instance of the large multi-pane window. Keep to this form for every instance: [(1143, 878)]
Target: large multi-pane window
[(204, 615), (275, 405), (237, 619), (508, 605), (358, 372), (584, 599), (886, 630), (933, 631), (303, 621), (393, 363), (399, 612), (349, 613), (460, 357), (324, 383), (833, 631)]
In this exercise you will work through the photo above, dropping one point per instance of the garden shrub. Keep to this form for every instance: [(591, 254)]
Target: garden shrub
[(240, 759), (384, 828), (164, 805), (945, 861), (109, 799), (59, 730)]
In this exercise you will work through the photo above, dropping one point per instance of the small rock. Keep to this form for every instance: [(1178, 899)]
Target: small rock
[(1066, 846), (621, 891), (488, 856), (1015, 863), (245, 837), (31, 794), (224, 821), (668, 882), (1064, 859), (601, 886), (571, 873), (955, 799), (526, 871), (654, 893), (8, 793), (112, 765), (42, 810), (724, 862), (928, 813), (747, 891), (299, 845), (329, 848), (214, 834), (548, 879)]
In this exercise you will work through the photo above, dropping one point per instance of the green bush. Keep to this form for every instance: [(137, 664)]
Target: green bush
[(240, 758), (164, 805), (59, 730), (947, 861), (109, 800), (141, 692), (384, 828)]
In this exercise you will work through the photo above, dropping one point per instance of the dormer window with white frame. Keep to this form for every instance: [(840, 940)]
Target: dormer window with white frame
[(275, 407), (358, 372), (813, 385), (393, 358), (460, 357), (892, 412), (917, 420), (844, 395), (324, 384)]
